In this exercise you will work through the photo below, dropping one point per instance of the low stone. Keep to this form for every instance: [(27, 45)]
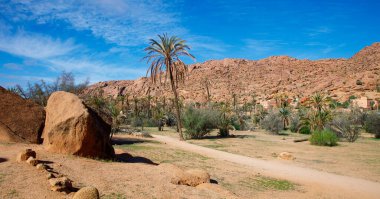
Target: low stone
[(50, 176), (25, 154), (32, 161), (41, 166), (192, 177), (62, 184), (87, 193), (286, 156)]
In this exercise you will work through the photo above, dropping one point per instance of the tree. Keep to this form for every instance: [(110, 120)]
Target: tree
[(164, 56)]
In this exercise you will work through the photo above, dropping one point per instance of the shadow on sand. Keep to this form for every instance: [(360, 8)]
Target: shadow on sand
[(3, 160), (128, 158)]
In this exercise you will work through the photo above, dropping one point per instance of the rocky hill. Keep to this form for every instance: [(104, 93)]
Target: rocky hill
[(341, 78)]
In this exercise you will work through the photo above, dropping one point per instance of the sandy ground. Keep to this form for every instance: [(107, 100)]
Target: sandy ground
[(355, 186), (140, 177)]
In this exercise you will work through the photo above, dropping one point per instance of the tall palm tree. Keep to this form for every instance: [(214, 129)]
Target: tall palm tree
[(164, 56)]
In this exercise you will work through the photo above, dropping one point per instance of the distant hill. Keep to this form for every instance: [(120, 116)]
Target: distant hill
[(341, 78)]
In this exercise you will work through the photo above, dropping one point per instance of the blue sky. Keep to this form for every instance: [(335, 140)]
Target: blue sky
[(104, 39)]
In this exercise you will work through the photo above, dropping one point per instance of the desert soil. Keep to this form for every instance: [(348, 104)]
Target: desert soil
[(140, 177)]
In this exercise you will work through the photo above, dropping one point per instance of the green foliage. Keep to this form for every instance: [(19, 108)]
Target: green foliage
[(305, 130), (272, 122), (199, 122), (372, 123), (324, 138), (294, 123)]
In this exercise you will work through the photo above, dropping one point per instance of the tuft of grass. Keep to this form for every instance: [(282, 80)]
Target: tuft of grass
[(261, 183), (2, 176), (135, 147), (12, 194)]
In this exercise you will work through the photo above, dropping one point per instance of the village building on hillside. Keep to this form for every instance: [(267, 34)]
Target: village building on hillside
[(365, 103)]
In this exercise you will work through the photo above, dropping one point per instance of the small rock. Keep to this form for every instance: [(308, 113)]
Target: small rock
[(87, 193), (286, 156), (41, 166), (50, 176), (192, 177), (32, 161), (60, 184), (25, 154)]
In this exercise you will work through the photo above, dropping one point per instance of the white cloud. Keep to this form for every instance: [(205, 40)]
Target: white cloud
[(35, 46), (262, 47), (126, 23)]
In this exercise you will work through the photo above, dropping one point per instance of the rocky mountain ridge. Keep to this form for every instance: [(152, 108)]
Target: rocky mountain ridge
[(340, 78)]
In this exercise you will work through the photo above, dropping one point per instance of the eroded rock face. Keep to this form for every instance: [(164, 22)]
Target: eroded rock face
[(72, 128), (20, 120)]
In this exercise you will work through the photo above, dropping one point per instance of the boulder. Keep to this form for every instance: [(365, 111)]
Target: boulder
[(87, 193), (62, 184), (286, 156), (25, 155), (192, 177), (32, 161), (73, 128), (20, 120)]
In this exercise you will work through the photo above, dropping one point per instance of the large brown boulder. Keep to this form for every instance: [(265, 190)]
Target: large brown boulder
[(20, 120), (73, 128)]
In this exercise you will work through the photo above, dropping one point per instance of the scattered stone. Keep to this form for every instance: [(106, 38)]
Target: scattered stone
[(62, 184), (21, 120), (286, 156), (25, 154), (73, 128), (192, 177), (50, 176), (87, 193), (32, 161), (41, 166)]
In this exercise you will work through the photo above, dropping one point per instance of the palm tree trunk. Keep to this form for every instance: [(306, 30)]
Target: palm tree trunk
[(178, 114)]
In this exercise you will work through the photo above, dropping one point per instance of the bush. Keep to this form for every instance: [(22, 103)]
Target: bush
[(344, 125), (305, 130), (372, 124), (199, 122), (294, 123), (324, 138), (359, 82), (272, 122)]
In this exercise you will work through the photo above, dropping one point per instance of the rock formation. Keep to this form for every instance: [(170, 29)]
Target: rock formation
[(72, 128), (20, 120), (264, 78)]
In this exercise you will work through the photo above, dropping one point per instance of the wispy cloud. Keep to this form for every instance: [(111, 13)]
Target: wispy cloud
[(312, 32), (262, 47), (126, 23), (12, 66), (34, 45)]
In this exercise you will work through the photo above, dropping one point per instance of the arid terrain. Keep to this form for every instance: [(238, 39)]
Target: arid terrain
[(148, 157), (266, 77)]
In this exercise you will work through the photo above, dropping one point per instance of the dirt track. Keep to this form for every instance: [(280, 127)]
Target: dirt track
[(355, 186)]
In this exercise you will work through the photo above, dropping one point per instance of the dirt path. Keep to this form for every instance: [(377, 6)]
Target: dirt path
[(332, 182)]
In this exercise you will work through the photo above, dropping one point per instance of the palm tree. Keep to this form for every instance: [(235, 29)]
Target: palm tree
[(285, 114), (164, 57)]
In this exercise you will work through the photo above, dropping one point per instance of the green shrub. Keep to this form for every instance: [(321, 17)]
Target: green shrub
[(199, 122), (272, 122), (324, 138), (305, 130), (372, 124)]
